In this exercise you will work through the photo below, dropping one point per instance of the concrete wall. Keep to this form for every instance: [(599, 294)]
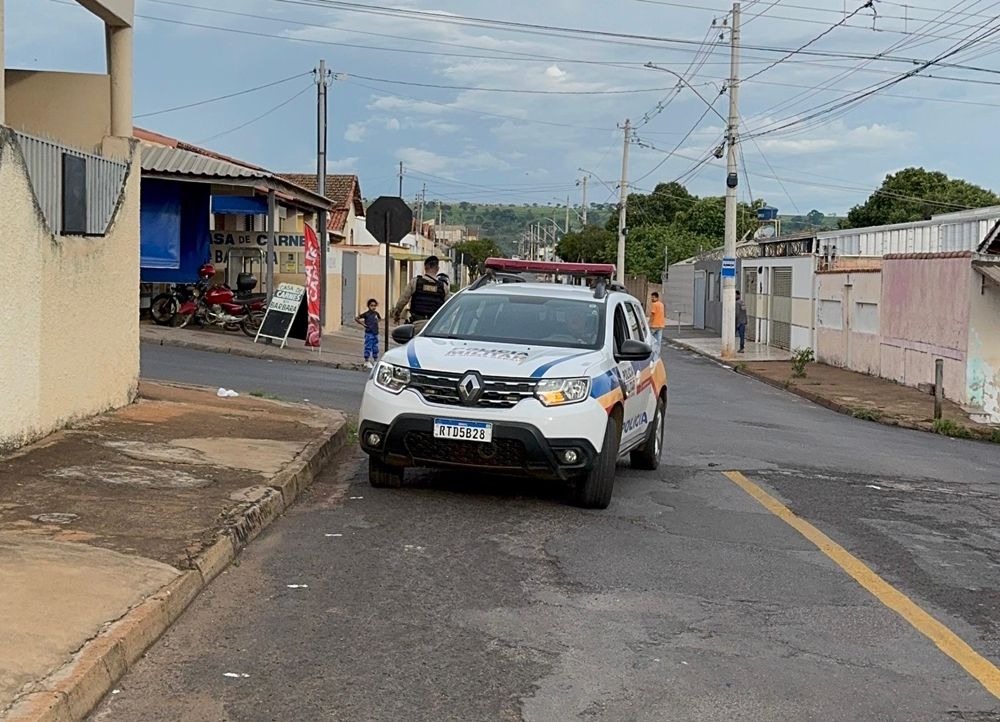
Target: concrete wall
[(924, 316), (71, 108), (69, 309), (983, 363), (801, 310), (848, 305)]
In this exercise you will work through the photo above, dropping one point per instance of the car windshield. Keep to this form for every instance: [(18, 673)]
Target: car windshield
[(524, 320)]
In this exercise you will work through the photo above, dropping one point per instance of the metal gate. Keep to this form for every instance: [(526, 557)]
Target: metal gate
[(750, 298), (699, 300), (781, 308), (349, 300)]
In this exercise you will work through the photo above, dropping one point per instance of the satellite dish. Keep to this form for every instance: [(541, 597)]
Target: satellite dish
[(764, 232)]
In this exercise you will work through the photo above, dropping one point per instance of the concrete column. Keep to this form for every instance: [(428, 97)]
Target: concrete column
[(3, 79), (119, 42)]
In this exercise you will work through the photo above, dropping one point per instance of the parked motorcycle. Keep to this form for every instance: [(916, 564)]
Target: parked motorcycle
[(218, 305), (163, 308)]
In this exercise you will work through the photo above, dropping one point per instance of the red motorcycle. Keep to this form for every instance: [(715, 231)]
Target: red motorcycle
[(218, 305)]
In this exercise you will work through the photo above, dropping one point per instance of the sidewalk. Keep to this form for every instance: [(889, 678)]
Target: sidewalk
[(847, 392), (342, 349), (110, 528)]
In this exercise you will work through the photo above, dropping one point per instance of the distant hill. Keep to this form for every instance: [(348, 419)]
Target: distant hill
[(814, 220), (504, 223)]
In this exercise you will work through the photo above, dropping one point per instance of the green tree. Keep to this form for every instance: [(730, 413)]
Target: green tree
[(476, 252), (592, 244), (660, 207), (915, 194)]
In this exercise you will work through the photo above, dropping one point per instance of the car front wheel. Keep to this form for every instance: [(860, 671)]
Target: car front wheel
[(594, 490)]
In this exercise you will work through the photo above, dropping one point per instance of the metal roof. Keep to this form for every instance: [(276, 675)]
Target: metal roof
[(164, 159)]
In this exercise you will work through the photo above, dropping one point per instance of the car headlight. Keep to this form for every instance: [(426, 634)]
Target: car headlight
[(556, 392), (391, 378)]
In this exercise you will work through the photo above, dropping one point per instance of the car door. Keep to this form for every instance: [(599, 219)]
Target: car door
[(646, 389), (636, 417)]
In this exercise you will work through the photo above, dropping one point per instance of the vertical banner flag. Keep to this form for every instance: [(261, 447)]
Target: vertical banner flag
[(314, 333)]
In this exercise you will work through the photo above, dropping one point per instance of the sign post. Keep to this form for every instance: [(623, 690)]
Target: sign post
[(389, 219), (281, 313), (729, 268)]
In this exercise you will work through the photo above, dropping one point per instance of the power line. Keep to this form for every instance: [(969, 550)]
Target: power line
[(507, 90), (253, 120), (867, 5), (222, 97)]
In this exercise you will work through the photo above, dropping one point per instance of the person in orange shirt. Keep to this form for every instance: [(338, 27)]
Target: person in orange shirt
[(657, 318)]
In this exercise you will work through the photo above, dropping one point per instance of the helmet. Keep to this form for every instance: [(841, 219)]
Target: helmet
[(206, 271)]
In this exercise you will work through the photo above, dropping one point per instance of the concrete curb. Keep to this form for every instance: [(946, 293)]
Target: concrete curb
[(71, 693), (808, 395), (259, 352)]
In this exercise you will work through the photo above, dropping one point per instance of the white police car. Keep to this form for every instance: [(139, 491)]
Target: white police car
[(549, 380)]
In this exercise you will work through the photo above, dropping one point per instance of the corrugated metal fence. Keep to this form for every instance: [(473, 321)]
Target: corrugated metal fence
[(105, 181)]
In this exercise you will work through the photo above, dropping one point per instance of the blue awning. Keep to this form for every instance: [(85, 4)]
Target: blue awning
[(239, 205)]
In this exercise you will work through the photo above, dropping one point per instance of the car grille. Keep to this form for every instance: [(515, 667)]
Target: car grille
[(438, 387), (499, 454)]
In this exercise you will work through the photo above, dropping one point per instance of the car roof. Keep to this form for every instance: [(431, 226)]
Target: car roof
[(548, 290)]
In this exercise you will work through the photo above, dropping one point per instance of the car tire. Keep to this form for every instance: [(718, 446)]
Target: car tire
[(384, 476), (647, 456), (594, 490)]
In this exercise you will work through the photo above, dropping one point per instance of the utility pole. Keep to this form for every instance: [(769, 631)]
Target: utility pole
[(566, 229), (583, 206), (322, 82), (400, 179), (732, 180), (622, 211), (420, 212)]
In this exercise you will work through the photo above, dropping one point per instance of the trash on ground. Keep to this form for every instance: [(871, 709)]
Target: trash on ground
[(355, 497), (236, 675), (332, 535), (873, 486), (55, 517), (224, 393), (297, 586)]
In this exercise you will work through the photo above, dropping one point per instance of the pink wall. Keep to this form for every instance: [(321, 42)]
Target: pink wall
[(856, 343), (924, 316)]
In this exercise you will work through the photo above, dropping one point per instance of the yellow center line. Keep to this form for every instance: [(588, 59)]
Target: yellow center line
[(980, 668)]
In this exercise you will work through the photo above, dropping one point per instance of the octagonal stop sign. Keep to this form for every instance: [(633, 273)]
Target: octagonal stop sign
[(389, 219)]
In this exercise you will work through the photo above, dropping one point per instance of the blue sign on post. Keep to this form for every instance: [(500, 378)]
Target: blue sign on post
[(729, 268)]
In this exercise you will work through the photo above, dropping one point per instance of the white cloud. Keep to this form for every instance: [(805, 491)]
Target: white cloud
[(554, 71), (356, 132), (392, 124), (342, 165), (427, 161), (838, 137)]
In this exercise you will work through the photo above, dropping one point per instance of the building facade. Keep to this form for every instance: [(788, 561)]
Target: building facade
[(69, 187)]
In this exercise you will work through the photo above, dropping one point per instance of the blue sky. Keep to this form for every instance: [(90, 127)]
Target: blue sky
[(483, 145)]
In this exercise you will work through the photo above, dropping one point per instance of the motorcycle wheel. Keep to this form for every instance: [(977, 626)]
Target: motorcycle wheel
[(232, 326), (251, 323), (163, 309)]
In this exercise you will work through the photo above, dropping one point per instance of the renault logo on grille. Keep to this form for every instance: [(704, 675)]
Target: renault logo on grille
[(470, 388)]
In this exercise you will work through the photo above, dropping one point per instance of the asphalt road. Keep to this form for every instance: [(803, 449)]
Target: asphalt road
[(465, 597)]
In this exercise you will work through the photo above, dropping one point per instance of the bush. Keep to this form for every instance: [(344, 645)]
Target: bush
[(801, 357)]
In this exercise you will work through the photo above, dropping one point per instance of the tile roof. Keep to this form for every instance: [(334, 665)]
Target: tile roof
[(343, 190), (338, 221)]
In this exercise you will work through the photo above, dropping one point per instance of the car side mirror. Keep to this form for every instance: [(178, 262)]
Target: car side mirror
[(632, 350), (404, 334)]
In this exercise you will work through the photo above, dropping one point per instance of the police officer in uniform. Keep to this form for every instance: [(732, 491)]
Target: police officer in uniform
[(425, 294)]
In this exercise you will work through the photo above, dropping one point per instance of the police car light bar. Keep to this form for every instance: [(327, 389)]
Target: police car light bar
[(511, 265)]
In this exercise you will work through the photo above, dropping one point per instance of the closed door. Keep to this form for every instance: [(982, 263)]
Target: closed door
[(699, 299), (750, 298), (781, 307), (349, 300)]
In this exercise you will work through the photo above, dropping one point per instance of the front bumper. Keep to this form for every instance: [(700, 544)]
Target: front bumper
[(517, 448)]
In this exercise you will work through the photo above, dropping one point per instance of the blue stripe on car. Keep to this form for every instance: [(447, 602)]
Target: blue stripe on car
[(542, 370), (411, 355), (604, 383)]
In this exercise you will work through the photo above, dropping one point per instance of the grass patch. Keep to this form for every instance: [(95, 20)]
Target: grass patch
[(740, 367), (866, 414), (352, 431), (947, 427), (994, 436), (264, 395)]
